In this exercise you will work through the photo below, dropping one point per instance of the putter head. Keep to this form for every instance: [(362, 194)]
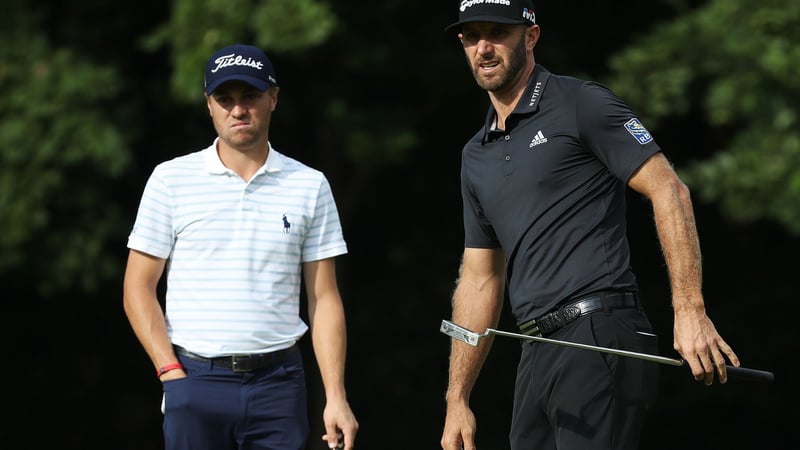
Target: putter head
[(458, 332)]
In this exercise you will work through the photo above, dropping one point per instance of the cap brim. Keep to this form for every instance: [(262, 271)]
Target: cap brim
[(491, 19), (257, 83)]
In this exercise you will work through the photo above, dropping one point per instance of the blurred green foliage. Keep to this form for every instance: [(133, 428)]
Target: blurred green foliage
[(60, 147), (377, 95), (737, 63), (197, 28), (728, 67)]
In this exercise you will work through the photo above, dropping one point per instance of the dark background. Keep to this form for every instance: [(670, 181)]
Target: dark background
[(75, 376)]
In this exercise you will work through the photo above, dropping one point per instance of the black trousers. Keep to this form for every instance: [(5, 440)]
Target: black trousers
[(575, 399)]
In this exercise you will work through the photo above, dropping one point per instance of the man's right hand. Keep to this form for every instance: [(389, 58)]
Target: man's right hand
[(459, 428)]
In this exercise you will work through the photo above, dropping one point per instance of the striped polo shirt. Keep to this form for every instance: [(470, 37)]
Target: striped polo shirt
[(235, 248)]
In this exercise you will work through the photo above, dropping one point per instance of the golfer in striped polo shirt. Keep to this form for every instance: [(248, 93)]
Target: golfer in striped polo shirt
[(234, 228)]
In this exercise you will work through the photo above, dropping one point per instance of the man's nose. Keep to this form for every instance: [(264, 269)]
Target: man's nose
[(484, 46), (238, 109)]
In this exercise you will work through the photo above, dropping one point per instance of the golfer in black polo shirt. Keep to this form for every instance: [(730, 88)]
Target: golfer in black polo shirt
[(543, 184)]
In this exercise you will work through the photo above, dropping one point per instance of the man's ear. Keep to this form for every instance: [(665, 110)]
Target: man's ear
[(274, 92), (533, 34)]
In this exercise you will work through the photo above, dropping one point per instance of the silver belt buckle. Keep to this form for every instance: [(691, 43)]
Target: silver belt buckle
[(235, 359), (570, 313)]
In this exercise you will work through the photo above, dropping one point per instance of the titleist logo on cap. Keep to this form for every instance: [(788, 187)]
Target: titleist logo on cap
[(239, 62), (469, 3), (236, 60)]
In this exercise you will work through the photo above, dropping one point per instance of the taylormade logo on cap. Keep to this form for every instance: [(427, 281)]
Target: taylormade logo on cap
[(239, 62), (467, 3), (496, 11)]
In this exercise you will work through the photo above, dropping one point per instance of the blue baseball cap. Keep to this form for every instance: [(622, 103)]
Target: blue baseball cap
[(239, 62), (497, 11)]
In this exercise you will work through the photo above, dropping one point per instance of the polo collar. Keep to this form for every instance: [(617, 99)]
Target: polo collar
[(528, 103), (214, 165)]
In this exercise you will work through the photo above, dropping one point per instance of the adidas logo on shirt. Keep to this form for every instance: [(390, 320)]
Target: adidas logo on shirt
[(538, 139)]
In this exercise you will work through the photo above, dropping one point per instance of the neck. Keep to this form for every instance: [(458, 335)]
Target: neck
[(245, 162), (506, 100)]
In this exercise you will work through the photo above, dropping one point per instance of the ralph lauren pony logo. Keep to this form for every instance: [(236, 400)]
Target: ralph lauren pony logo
[(286, 224)]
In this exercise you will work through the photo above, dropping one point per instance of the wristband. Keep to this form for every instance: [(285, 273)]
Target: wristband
[(168, 367)]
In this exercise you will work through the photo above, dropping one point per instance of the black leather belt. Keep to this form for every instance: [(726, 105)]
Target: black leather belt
[(552, 321), (243, 363)]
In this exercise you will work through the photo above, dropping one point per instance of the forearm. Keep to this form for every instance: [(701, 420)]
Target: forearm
[(149, 325), (466, 361), (477, 303), (140, 301), (329, 339), (677, 233)]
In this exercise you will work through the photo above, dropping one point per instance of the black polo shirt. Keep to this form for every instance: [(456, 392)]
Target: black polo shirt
[(550, 190)]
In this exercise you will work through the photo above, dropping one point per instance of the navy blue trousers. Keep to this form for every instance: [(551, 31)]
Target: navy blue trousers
[(215, 408)]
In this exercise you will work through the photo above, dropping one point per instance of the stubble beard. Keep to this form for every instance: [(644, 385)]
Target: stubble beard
[(516, 65)]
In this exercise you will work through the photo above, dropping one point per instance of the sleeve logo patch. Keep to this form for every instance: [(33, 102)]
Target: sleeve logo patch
[(637, 130)]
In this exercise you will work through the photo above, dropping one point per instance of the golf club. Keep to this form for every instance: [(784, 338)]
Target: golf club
[(472, 338)]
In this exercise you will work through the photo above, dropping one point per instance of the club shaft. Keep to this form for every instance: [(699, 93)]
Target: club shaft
[(645, 356), (472, 338), (732, 371)]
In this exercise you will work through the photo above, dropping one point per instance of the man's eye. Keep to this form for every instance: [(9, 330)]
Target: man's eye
[(498, 34)]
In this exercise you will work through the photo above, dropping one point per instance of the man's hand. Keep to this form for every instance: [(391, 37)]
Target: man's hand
[(459, 428), (700, 345), (341, 426)]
